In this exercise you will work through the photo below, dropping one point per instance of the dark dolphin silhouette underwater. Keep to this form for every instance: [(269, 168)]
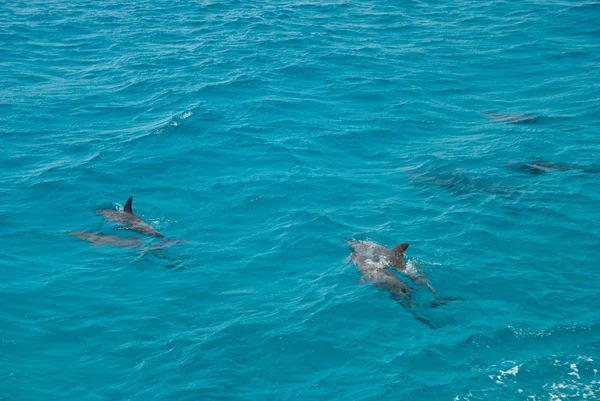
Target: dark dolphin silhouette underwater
[(103, 239), (539, 166)]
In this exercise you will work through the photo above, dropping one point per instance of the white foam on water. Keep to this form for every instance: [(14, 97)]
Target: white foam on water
[(569, 382), (410, 267), (512, 371), (589, 391), (573, 387), (575, 371), (186, 115)]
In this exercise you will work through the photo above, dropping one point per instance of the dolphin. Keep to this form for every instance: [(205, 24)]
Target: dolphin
[(102, 239), (538, 167), (129, 220), (514, 118), (120, 242), (393, 258), (383, 279)]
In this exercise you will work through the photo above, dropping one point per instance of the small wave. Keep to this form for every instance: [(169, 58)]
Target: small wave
[(173, 123)]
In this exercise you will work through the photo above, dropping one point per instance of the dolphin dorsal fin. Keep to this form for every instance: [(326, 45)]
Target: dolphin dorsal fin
[(401, 248), (127, 208)]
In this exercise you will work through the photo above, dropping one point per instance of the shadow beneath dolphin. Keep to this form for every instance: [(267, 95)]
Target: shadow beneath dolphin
[(416, 316)]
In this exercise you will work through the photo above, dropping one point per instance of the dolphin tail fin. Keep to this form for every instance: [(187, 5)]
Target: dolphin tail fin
[(155, 251), (175, 263), (164, 243), (127, 208)]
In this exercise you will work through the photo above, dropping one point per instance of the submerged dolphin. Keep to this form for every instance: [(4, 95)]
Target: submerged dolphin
[(101, 239), (393, 258), (538, 167), (514, 118), (384, 280), (120, 242), (129, 220)]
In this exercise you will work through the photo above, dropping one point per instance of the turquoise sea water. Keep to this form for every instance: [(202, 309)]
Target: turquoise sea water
[(266, 133)]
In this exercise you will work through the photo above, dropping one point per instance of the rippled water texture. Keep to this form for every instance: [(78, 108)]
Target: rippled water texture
[(266, 133)]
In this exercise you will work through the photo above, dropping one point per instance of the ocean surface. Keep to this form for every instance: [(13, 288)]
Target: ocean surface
[(265, 133)]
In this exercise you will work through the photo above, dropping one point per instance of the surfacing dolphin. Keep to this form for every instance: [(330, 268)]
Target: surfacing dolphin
[(384, 280), (394, 258), (129, 220)]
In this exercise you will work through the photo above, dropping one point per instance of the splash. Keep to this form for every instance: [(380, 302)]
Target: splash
[(173, 123)]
